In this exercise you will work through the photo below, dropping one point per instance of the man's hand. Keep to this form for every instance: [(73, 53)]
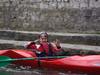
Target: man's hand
[(56, 43)]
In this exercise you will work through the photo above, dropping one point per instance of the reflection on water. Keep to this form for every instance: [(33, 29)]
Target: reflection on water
[(23, 71)]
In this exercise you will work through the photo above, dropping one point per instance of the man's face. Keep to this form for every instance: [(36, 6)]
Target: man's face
[(43, 39)]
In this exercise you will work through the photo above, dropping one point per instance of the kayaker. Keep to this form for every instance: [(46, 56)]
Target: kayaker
[(42, 47)]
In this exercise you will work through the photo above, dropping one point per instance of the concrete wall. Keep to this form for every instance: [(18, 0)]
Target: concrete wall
[(82, 43), (50, 15), (87, 39)]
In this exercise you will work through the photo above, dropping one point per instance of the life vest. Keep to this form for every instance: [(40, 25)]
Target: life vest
[(46, 50)]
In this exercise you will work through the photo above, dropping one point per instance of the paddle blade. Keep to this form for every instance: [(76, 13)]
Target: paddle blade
[(3, 61)]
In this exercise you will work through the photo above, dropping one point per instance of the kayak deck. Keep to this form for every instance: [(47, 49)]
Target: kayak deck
[(86, 64)]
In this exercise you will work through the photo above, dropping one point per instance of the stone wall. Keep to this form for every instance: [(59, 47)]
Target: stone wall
[(50, 15)]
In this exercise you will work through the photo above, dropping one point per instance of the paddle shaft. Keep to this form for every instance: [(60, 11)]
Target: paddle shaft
[(4, 60), (34, 58)]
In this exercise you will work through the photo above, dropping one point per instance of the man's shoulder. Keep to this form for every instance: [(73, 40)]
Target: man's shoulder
[(37, 41), (51, 44)]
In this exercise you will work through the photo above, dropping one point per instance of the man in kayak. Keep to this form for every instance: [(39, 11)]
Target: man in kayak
[(42, 47)]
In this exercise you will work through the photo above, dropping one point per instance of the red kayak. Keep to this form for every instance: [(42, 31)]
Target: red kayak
[(86, 64)]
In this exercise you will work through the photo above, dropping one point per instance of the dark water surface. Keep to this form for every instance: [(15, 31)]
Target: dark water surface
[(24, 71)]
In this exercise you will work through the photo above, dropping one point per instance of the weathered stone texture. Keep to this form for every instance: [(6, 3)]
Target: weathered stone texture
[(50, 15)]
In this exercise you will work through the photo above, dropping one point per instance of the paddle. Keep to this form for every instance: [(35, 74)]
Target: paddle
[(4, 60)]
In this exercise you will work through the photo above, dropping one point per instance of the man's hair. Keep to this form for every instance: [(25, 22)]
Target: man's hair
[(45, 34)]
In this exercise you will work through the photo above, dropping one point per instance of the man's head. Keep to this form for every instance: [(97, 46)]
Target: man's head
[(43, 37)]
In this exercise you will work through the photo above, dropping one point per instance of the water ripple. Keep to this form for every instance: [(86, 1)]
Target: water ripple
[(21, 70)]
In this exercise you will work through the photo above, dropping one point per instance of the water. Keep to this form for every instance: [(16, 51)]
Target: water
[(26, 71)]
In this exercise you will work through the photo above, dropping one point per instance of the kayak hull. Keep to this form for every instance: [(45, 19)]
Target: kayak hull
[(86, 64)]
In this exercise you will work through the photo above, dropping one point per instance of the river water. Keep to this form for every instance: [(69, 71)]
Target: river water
[(26, 71)]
